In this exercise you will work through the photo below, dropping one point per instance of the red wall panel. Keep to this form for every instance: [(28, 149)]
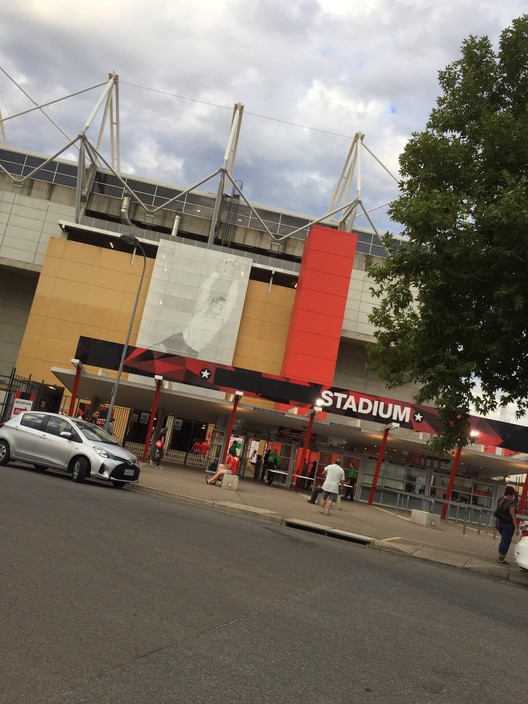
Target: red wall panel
[(319, 305)]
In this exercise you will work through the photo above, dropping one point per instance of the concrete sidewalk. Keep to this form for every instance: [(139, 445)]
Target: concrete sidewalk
[(375, 526)]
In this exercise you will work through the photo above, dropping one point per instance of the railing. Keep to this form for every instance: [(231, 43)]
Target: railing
[(463, 514), (403, 500), (177, 456)]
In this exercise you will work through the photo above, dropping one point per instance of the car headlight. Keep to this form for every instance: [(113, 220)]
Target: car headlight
[(103, 453)]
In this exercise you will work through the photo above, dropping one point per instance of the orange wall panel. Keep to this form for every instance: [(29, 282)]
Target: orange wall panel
[(264, 327), (79, 292)]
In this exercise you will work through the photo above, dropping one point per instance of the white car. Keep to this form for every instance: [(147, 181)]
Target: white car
[(521, 547), (50, 440)]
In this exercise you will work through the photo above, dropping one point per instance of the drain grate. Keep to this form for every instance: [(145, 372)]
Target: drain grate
[(330, 532)]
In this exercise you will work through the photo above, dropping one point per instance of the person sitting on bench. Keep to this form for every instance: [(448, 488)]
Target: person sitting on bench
[(230, 467)]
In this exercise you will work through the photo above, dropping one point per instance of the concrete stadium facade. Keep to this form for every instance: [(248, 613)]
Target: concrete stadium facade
[(64, 273)]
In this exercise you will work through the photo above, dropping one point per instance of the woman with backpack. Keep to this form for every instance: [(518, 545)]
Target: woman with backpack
[(159, 446), (506, 522)]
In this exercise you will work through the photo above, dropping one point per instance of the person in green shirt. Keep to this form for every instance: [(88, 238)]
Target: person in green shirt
[(272, 464), (351, 483)]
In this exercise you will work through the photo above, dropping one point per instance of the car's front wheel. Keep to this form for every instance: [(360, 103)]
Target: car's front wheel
[(80, 469), (4, 452)]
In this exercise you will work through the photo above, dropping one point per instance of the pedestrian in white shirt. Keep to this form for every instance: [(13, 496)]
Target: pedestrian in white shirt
[(335, 477)]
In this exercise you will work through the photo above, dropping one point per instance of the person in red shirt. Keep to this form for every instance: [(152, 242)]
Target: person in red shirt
[(230, 467), (159, 446)]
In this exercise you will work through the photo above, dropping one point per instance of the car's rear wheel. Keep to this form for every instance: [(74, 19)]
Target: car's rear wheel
[(117, 484), (4, 452), (80, 469), (40, 467)]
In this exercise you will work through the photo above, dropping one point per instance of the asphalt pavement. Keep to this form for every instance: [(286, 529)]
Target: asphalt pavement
[(468, 547)]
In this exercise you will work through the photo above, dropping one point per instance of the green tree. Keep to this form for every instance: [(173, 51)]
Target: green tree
[(453, 296)]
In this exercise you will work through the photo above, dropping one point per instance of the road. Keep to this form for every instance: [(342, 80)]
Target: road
[(114, 596)]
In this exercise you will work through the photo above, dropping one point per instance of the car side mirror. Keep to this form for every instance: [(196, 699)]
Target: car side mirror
[(66, 434)]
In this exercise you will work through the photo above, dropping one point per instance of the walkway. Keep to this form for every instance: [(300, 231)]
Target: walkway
[(379, 527)]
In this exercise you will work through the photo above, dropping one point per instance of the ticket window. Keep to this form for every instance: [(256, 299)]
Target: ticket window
[(415, 482), (462, 491), (482, 494)]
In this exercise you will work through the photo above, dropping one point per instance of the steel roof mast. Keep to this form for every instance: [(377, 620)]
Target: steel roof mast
[(86, 175), (341, 198), (226, 170)]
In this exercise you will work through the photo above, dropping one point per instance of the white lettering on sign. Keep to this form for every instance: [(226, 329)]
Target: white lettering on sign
[(384, 410)]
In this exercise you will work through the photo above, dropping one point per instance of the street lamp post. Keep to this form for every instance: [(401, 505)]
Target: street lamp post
[(129, 239)]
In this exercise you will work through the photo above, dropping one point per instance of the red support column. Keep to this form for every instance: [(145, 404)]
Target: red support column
[(451, 482), (78, 371), (74, 390), (378, 465), (522, 501), (236, 400), (159, 381), (304, 448)]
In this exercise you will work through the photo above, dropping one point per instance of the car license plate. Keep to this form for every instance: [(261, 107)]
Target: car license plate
[(129, 472)]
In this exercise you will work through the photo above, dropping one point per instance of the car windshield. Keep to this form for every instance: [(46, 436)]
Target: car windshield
[(94, 432)]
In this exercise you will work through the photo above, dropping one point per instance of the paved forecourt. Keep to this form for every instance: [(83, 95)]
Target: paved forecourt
[(375, 526)]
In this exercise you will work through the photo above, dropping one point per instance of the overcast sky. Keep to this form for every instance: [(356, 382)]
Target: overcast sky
[(310, 74)]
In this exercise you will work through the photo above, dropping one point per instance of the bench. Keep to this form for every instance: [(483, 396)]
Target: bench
[(299, 478), (278, 473), (230, 481)]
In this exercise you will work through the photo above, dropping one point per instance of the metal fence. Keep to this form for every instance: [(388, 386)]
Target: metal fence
[(44, 397)]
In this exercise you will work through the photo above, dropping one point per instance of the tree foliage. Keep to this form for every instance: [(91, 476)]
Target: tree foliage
[(453, 296)]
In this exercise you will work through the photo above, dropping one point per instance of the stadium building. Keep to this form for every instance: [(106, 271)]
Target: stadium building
[(228, 321)]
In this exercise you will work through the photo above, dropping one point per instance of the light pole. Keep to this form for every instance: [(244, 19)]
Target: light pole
[(129, 239)]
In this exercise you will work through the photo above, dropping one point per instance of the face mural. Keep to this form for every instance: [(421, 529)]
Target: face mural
[(195, 302)]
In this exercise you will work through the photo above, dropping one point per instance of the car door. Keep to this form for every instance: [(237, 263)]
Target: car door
[(52, 449), (25, 436)]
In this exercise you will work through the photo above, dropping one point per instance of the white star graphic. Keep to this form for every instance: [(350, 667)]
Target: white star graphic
[(205, 373), (418, 417)]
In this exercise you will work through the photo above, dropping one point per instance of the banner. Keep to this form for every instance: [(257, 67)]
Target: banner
[(305, 394)]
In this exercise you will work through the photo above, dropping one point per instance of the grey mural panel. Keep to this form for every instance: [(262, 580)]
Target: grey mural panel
[(195, 302)]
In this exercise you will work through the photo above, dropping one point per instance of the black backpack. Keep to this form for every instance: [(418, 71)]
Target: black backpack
[(502, 512)]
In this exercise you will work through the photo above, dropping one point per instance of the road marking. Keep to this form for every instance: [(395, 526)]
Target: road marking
[(387, 540)]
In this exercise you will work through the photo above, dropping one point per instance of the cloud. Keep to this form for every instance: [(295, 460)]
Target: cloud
[(310, 73)]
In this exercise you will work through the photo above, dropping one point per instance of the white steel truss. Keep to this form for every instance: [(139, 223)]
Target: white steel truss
[(343, 203)]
